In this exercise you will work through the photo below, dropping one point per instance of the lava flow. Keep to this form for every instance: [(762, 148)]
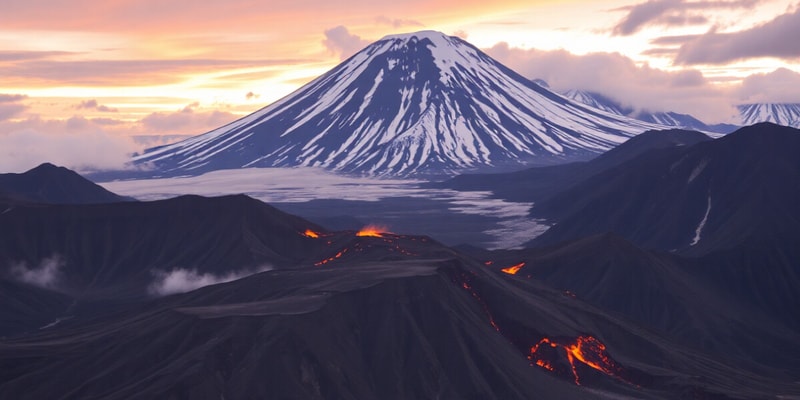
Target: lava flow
[(468, 287), (372, 231), (311, 234), (329, 259), (584, 349), (512, 270)]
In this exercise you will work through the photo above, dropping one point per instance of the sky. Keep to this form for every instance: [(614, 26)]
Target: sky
[(85, 83)]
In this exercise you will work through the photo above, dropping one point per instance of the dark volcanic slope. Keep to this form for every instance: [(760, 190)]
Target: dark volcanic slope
[(116, 248), (27, 307), (709, 196), (537, 184), (369, 332), (392, 329), (48, 183), (711, 304)]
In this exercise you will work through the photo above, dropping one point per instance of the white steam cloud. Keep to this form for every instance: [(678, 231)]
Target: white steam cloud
[(183, 280), (46, 275)]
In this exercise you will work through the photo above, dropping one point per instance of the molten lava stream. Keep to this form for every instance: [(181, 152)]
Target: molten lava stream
[(512, 270), (311, 234), (483, 304), (329, 259), (584, 349)]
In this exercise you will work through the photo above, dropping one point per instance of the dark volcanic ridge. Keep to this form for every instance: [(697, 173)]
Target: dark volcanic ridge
[(50, 184), (693, 199)]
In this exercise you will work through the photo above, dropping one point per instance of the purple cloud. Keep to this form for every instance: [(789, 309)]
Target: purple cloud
[(340, 41), (638, 86), (10, 106), (11, 98), (672, 13), (12, 56), (78, 143), (185, 121), (396, 22), (103, 72), (644, 13), (776, 38), (779, 86), (93, 105)]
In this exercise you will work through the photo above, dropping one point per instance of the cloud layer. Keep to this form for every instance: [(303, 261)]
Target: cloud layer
[(620, 78), (92, 143), (11, 106), (186, 121), (77, 143), (777, 38), (673, 13)]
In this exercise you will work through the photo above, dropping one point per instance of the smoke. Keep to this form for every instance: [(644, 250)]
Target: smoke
[(46, 275), (183, 280)]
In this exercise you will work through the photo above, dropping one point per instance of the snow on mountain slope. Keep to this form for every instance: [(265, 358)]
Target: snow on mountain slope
[(787, 114), (598, 101), (407, 105), (674, 119), (669, 118)]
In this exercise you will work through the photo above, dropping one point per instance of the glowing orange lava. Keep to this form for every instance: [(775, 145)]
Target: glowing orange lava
[(545, 364), (585, 349), (311, 234), (372, 231), (512, 270), (474, 294), (329, 259)]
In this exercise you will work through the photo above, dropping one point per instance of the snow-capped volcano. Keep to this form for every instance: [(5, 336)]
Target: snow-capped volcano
[(407, 105)]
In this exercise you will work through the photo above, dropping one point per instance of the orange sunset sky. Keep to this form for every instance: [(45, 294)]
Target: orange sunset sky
[(85, 83)]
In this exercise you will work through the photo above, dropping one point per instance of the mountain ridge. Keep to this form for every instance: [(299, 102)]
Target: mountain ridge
[(48, 183), (723, 184)]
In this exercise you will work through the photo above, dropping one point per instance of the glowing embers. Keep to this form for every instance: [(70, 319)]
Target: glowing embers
[(372, 231), (311, 234), (512, 270), (583, 350)]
